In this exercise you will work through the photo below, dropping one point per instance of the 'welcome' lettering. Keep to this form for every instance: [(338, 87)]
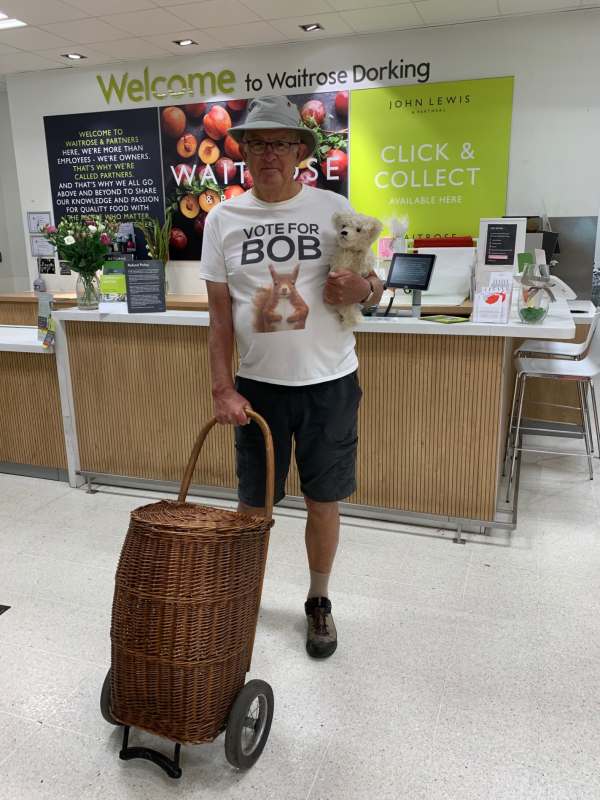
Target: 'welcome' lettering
[(113, 87), (136, 90)]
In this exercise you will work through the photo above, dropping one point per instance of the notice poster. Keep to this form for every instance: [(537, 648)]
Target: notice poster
[(105, 163), (501, 243), (203, 166), (436, 154), (145, 283)]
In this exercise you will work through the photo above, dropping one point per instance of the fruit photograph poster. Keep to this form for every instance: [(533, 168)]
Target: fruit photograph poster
[(435, 154), (203, 166)]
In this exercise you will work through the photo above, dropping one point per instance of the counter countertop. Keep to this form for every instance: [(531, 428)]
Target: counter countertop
[(31, 297), (194, 302), (584, 309), (558, 324), (21, 339)]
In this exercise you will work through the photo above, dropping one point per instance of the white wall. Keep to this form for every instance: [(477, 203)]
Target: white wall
[(554, 157), (6, 278), (14, 275)]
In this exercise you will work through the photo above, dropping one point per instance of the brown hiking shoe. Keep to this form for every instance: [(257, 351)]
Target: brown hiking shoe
[(321, 636)]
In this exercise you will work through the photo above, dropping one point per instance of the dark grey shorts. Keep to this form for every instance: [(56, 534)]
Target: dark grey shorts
[(322, 419)]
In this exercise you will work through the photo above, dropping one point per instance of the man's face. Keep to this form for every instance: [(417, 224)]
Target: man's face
[(272, 156)]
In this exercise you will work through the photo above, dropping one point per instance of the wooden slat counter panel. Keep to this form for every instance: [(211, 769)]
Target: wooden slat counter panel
[(22, 309), (31, 431), (429, 423), (142, 393), (429, 420), (18, 313)]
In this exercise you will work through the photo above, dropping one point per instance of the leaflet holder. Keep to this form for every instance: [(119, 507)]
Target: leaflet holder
[(411, 272)]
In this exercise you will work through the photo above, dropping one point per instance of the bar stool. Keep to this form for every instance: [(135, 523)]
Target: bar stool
[(582, 371), (559, 349), (535, 347)]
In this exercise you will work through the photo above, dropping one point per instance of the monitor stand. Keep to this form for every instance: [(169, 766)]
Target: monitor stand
[(416, 303), (414, 311)]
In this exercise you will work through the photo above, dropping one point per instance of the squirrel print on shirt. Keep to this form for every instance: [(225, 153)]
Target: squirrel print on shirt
[(280, 306)]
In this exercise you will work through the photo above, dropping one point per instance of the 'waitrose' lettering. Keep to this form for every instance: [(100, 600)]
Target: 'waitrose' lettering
[(200, 83)]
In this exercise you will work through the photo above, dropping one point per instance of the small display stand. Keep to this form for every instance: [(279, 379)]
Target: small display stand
[(493, 295)]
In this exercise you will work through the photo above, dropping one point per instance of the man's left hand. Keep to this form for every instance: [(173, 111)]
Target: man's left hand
[(344, 288)]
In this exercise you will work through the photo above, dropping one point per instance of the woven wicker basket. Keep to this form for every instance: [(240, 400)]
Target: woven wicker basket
[(187, 595)]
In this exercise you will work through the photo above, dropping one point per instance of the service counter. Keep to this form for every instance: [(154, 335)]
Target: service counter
[(32, 441), (136, 389), (21, 308)]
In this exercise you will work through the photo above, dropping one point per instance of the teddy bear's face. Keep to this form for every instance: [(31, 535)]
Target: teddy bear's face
[(356, 231)]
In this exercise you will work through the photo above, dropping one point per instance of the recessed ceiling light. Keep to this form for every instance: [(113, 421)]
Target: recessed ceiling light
[(73, 56), (312, 26), (6, 23), (184, 42)]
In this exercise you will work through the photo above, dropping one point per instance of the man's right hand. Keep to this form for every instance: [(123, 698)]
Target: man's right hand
[(230, 408)]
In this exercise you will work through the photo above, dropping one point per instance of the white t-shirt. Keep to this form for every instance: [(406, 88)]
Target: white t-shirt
[(275, 260)]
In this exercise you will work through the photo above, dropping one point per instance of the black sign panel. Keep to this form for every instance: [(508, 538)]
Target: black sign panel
[(106, 162), (501, 243), (145, 286)]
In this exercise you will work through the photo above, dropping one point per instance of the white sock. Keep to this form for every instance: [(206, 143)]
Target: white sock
[(318, 584)]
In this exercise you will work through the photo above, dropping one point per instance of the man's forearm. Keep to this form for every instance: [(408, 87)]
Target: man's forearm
[(220, 347), (377, 288)]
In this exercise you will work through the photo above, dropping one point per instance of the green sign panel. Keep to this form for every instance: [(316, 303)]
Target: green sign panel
[(436, 154), (112, 280)]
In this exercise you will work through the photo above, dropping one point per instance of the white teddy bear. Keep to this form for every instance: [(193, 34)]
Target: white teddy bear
[(355, 233)]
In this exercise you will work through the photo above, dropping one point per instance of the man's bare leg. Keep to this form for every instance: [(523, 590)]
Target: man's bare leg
[(321, 537)]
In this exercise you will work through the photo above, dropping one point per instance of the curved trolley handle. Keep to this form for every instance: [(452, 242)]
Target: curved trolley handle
[(270, 459)]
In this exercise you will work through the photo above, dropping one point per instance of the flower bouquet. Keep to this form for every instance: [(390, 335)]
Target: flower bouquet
[(84, 242)]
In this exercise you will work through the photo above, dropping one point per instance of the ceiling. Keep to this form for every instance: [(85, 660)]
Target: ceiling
[(108, 31)]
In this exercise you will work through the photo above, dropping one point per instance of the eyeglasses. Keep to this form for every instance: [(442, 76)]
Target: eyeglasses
[(280, 147)]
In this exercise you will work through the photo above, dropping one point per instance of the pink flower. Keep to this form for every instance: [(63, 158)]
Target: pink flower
[(51, 229), (105, 239)]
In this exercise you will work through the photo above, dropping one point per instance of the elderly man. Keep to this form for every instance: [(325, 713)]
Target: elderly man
[(265, 258)]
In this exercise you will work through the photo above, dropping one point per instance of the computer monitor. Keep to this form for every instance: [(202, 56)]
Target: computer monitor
[(410, 271)]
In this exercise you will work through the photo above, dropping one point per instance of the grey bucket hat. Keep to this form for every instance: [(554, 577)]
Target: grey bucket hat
[(266, 113)]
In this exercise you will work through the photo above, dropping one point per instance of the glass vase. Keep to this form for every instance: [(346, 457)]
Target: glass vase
[(533, 305), (87, 290)]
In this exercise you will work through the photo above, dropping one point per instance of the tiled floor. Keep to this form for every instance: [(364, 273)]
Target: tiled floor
[(463, 673)]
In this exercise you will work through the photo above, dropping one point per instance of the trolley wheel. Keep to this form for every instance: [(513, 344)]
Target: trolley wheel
[(105, 709), (249, 724)]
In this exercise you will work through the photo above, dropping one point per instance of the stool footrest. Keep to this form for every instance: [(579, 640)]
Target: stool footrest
[(539, 427)]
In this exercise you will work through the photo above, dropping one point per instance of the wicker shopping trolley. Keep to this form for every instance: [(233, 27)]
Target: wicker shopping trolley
[(187, 595)]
